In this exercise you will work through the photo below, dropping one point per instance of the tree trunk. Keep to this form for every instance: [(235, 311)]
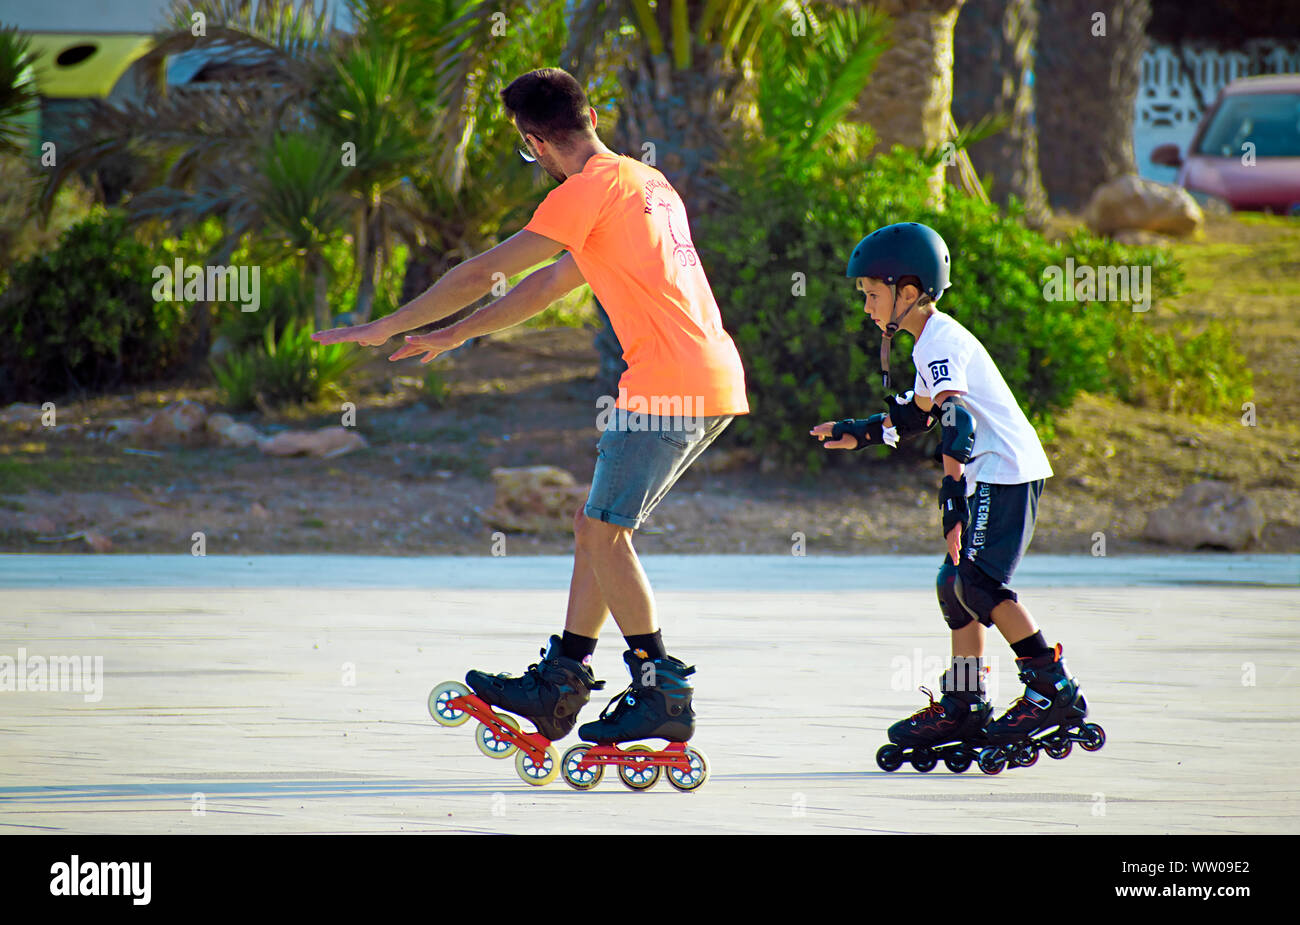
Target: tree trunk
[(909, 99), (992, 59), (368, 266), (320, 279), (1087, 75)]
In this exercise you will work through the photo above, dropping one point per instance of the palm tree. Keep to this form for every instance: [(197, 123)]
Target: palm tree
[(992, 62), (908, 101), (298, 199), (1087, 87), (699, 78), (366, 100), (18, 96)]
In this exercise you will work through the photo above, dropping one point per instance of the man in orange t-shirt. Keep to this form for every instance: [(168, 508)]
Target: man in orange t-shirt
[(625, 232)]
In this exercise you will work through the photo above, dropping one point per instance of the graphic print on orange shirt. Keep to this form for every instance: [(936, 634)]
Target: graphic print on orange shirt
[(659, 195)]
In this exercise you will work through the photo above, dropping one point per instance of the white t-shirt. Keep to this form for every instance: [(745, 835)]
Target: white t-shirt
[(1007, 451)]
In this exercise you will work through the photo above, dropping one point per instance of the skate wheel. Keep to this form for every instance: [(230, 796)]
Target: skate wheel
[(1025, 757), (440, 696), (492, 745), (537, 775), (1058, 748), (641, 775), (698, 774), (957, 762), (577, 777), (1095, 737), (992, 761), (923, 760), (890, 757)]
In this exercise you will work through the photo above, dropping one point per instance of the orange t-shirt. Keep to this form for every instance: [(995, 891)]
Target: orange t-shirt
[(626, 228)]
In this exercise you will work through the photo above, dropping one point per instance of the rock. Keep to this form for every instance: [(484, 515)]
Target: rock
[(97, 541), (182, 421), (534, 499), (1136, 237), (1207, 514), (230, 432), (122, 429), (20, 413), (38, 523), (1130, 202), (326, 442)]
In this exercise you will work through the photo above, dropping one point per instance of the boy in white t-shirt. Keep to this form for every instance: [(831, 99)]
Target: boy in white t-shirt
[(994, 467)]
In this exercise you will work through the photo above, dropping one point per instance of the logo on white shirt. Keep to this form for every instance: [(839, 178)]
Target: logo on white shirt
[(939, 370)]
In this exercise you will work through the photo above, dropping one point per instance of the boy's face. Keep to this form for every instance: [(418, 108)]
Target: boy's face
[(879, 300)]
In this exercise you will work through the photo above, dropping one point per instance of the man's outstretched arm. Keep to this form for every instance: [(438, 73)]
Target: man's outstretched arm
[(534, 292), (460, 286)]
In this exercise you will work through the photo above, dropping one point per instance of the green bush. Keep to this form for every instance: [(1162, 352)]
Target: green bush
[(1180, 370), (288, 369), (809, 357), (83, 316)]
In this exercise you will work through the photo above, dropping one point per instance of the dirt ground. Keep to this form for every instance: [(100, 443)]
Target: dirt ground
[(525, 398)]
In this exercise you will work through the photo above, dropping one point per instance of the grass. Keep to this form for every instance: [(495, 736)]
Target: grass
[(1245, 271)]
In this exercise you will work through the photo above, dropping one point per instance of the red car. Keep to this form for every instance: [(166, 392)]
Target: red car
[(1246, 151)]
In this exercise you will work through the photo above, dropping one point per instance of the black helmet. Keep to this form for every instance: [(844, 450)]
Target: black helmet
[(904, 249)]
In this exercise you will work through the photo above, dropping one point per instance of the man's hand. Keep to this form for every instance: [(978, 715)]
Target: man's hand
[(824, 431), (433, 344), (954, 544), (374, 334)]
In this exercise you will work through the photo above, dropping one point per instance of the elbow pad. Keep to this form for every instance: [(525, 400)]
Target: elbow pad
[(958, 429), (907, 416)]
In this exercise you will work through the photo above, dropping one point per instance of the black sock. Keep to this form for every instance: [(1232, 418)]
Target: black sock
[(650, 643), (1031, 646), (578, 648)]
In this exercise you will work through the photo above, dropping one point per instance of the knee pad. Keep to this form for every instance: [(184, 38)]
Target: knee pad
[(954, 612), (979, 593)]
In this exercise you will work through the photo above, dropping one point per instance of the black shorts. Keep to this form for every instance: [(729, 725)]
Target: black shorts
[(1001, 526)]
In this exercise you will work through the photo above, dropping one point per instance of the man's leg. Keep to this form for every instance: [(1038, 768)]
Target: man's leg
[(620, 583), (587, 611)]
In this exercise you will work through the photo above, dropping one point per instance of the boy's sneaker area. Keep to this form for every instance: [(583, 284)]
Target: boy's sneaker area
[(1051, 698), (958, 716), (549, 694)]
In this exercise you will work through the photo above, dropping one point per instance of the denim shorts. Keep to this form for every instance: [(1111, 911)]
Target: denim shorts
[(639, 457)]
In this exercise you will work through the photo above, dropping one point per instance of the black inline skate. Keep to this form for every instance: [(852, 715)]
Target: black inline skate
[(950, 729), (657, 705), (1051, 701), (549, 693)]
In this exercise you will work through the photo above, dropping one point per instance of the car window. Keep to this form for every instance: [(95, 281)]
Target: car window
[(1270, 121)]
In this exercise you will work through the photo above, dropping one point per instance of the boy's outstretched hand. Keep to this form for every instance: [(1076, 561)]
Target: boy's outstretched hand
[(823, 431)]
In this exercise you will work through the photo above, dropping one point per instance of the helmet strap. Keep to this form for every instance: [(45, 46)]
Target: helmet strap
[(887, 340)]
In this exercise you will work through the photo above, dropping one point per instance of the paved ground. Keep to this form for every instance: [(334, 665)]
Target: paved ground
[(287, 694)]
